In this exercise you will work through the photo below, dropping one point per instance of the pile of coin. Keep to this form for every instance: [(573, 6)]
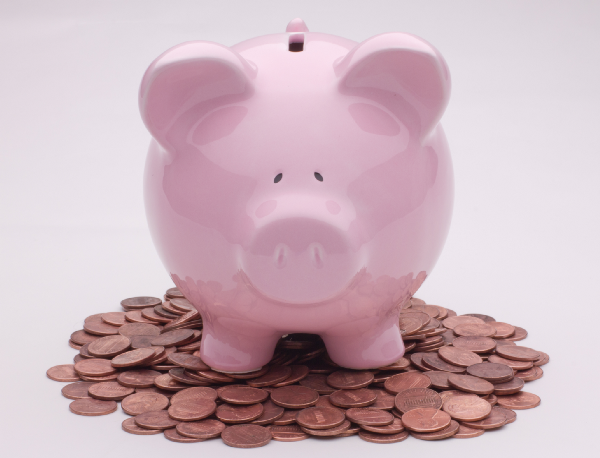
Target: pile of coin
[(460, 376)]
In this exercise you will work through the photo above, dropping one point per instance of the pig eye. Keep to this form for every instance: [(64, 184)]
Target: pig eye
[(278, 178), (318, 176)]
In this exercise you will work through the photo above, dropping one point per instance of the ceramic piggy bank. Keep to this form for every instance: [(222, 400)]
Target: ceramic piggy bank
[(298, 182)]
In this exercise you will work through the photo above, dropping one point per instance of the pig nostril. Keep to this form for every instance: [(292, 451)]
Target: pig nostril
[(318, 176), (316, 254), (278, 177)]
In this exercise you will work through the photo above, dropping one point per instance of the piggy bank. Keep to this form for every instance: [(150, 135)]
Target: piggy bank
[(298, 182)]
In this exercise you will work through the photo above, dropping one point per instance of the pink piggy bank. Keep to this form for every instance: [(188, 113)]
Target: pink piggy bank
[(298, 182)]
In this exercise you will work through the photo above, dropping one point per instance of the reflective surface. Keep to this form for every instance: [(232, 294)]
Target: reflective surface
[(298, 191)]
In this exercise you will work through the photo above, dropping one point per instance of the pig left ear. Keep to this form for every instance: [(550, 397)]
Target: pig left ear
[(398, 68)]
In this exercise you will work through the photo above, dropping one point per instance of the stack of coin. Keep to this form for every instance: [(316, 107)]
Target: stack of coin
[(460, 376)]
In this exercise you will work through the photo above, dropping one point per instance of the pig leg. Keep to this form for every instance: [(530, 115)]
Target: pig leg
[(378, 347)]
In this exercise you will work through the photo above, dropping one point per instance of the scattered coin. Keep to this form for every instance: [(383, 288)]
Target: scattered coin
[(494, 420), (92, 407), (459, 357), (518, 353), (349, 380), (271, 413), (513, 364), (425, 420), (320, 417), (470, 384), (433, 361), (503, 330), (94, 367), (230, 413), (174, 436), (464, 432), (492, 372), (187, 411), (368, 416), (467, 408), (474, 329), (243, 395), (275, 375), (134, 357), (203, 429), (439, 379), (130, 426), (406, 380), (137, 303), (139, 403), (382, 438), (519, 401), (195, 394), (445, 433), (139, 378), (475, 344), (246, 436), (109, 346), (362, 397), (530, 374), (317, 382), (519, 334), (454, 321), (155, 419), (109, 391), (139, 329), (288, 433), (63, 373), (190, 362), (393, 428), (77, 390), (335, 431), (294, 397), (511, 387)]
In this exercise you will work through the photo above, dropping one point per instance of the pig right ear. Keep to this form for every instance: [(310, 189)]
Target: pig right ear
[(186, 82)]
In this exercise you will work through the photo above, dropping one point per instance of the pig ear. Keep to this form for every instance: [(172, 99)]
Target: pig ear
[(398, 69), (186, 81)]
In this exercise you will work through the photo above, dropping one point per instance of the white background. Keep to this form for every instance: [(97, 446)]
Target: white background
[(522, 125)]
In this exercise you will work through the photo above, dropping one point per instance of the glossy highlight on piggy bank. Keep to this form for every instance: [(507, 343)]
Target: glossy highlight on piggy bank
[(298, 182)]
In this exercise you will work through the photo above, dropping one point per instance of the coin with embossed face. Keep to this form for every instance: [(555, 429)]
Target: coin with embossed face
[(246, 436), (414, 398), (405, 381), (320, 417), (519, 401), (425, 420), (467, 408)]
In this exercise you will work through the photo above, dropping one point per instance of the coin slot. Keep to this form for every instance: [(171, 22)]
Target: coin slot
[(296, 42)]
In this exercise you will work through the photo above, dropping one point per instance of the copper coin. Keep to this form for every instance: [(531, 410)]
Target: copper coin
[(243, 395), (92, 407), (401, 364), (106, 378), (453, 321), (139, 329), (133, 357), (155, 419), (492, 372), (515, 365), (160, 310), (186, 317), (470, 384), (417, 361), (518, 353), (228, 413), (77, 390), (141, 341), (425, 420), (445, 433), (174, 436), (81, 337), (141, 378), (393, 428), (100, 328), (500, 342), (503, 330), (519, 401), (459, 357), (246, 436), (492, 399), (320, 417), (136, 303), (187, 361), (188, 411), (109, 346), (298, 373), (368, 416), (166, 382), (135, 316), (182, 304), (203, 429), (475, 329), (511, 387), (475, 344), (519, 334), (384, 400), (294, 397), (189, 378), (155, 389), (484, 318), (317, 382), (409, 324), (288, 418), (290, 433), (439, 379), (445, 395), (335, 431), (433, 361), (63, 373), (94, 367), (96, 318), (109, 391), (511, 416), (151, 315), (275, 375), (271, 412), (130, 426), (362, 397), (543, 359), (195, 394), (415, 398), (464, 432), (139, 403), (83, 351), (173, 338), (495, 419), (382, 438), (114, 318), (530, 374), (406, 380), (467, 408), (430, 310), (249, 375), (74, 345)]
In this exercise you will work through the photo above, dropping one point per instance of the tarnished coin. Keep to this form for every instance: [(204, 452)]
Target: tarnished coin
[(100, 328), (400, 365), (298, 373), (453, 321), (138, 303), (288, 418), (190, 362), (503, 330), (194, 394), (173, 338), (189, 378), (182, 304), (495, 419), (139, 403), (81, 337), (349, 380), (519, 334), (294, 397), (77, 390), (393, 428), (368, 416), (543, 359), (139, 378), (409, 324), (139, 329), (109, 391), (243, 395), (317, 382), (335, 431), (511, 387), (484, 318), (515, 365), (433, 361), (271, 412), (439, 379), (203, 429), (94, 367), (492, 372), (406, 380), (470, 384), (384, 400), (474, 329), (275, 375), (416, 398), (134, 357), (426, 420), (166, 382), (135, 316), (459, 357), (445, 395), (518, 353), (114, 318), (448, 431), (320, 417), (174, 436), (155, 419), (131, 427), (92, 407), (188, 411), (229, 413), (382, 438), (475, 344), (511, 416), (288, 433), (519, 401), (109, 346), (63, 373), (362, 397), (464, 432), (530, 374), (246, 436), (467, 408)]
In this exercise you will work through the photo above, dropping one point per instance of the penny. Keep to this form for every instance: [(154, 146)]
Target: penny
[(475, 329), (503, 330), (100, 328), (140, 378), (203, 429), (135, 316), (433, 361), (393, 428), (519, 334), (248, 375), (185, 318), (511, 387), (166, 382), (530, 374), (439, 379), (401, 364), (187, 411), (189, 378), (459, 357), (63, 373), (495, 419), (194, 394), (114, 318), (74, 345), (109, 346), (484, 318), (543, 359), (139, 403), (289, 433), (515, 365), (511, 416), (464, 432), (367, 416), (77, 390), (228, 413), (136, 303), (217, 376), (288, 418), (417, 361), (518, 353), (94, 367), (275, 375), (141, 341), (430, 310), (409, 325), (81, 337), (174, 436), (92, 407), (294, 397), (151, 315), (425, 420), (106, 378), (173, 338), (475, 344), (406, 380), (467, 408), (298, 373), (470, 384), (383, 438), (362, 397), (133, 357), (414, 398), (453, 321), (320, 417), (139, 329), (246, 436), (243, 395), (492, 372), (161, 311), (445, 395), (155, 419), (317, 382), (335, 431), (181, 304), (109, 391), (423, 317), (519, 401), (130, 426), (271, 412), (383, 401), (492, 399), (448, 431)]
